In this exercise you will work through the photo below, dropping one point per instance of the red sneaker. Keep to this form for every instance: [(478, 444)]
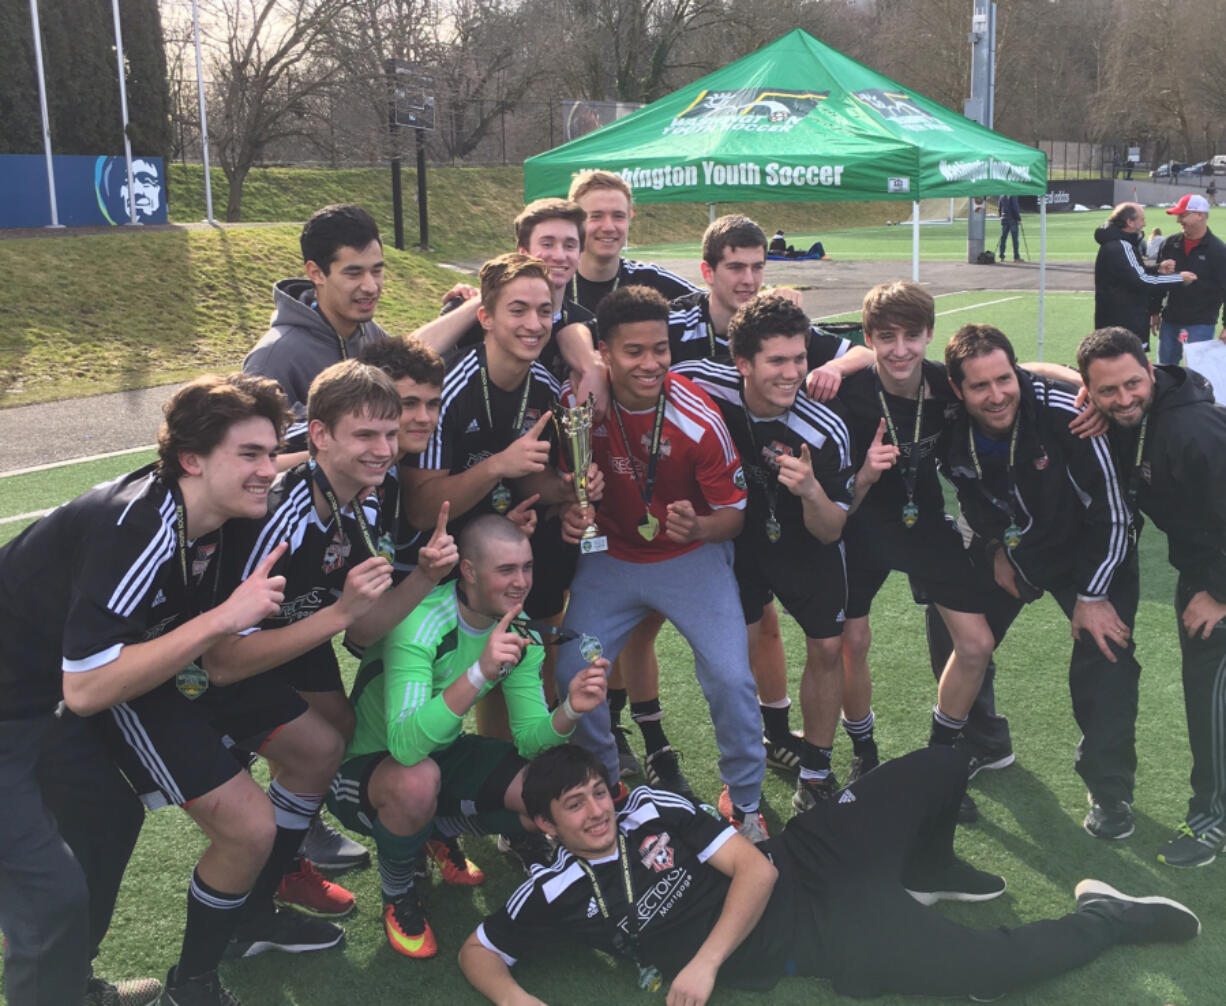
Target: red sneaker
[(407, 930), (456, 868), (307, 890)]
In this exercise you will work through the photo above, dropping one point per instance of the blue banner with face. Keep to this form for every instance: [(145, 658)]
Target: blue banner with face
[(89, 191)]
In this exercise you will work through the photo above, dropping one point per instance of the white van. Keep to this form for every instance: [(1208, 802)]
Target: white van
[(1219, 164)]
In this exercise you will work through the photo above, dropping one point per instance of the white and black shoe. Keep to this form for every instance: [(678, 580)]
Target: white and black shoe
[(328, 849), (1140, 920), (959, 881), (203, 990), (662, 771), (285, 930)]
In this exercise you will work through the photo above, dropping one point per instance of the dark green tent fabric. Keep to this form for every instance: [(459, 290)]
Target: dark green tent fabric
[(796, 121)]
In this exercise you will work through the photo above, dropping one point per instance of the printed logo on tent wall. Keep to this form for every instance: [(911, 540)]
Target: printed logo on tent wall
[(748, 110), (898, 108)]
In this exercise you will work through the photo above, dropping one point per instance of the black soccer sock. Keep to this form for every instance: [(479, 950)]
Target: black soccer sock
[(648, 715), (946, 729), (861, 734), (814, 761), (617, 702), (293, 813), (775, 720), (211, 918)]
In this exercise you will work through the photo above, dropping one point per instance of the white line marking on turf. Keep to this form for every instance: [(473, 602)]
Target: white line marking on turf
[(32, 515), (971, 307), (77, 461)]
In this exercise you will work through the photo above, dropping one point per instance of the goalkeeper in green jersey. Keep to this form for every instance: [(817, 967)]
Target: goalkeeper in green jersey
[(411, 768)]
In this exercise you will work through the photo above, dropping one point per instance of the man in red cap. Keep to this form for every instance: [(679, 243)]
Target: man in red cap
[(1193, 308)]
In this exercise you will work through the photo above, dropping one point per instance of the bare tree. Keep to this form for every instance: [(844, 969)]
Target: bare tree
[(268, 63)]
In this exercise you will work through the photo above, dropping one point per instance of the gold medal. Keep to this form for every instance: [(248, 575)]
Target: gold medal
[(386, 547), (590, 648), (1013, 536), (192, 682), (910, 514), (773, 529), (501, 498), (649, 527)]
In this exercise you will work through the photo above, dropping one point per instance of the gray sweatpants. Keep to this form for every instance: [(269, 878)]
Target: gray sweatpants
[(697, 593)]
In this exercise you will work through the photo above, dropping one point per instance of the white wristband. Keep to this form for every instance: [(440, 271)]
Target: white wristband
[(569, 711), (475, 677)]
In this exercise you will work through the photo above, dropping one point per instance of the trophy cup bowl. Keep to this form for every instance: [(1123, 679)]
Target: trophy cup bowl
[(576, 426)]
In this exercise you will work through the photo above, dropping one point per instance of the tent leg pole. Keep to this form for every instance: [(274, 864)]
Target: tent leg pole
[(710, 213), (1042, 265), (915, 242)]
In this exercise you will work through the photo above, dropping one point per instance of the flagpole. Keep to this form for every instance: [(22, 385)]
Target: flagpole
[(42, 107), (123, 111), (204, 122)]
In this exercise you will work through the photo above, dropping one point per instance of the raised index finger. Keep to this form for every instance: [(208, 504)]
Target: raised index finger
[(443, 511), (539, 426), (270, 560), (509, 617), (880, 436)]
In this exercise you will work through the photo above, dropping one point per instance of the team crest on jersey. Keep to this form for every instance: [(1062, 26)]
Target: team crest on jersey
[(530, 418), (200, 562), (656, 853), (336, 553), (1041, 463), (666, 447), (738, 478)]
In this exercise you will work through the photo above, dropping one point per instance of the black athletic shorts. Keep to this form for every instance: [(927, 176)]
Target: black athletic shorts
[(930, 553), (553, 567), (314, 671), (810, 581), (173, 749)]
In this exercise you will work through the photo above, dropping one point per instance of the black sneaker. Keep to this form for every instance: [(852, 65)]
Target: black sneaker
[(968, 812), (863, 764), (810, 792), (987, 759), (783, 753), (627, 760), (203, 990), (285, 930), (133, 992), (1109, 819), (1191, 848), (1140, 920), (959, 881), (530, 849), (661, 771)]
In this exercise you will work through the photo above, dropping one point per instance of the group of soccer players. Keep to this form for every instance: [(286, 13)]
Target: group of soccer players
[(417, 499)]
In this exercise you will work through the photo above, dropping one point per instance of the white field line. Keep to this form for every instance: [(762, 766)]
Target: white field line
[(32, 515), (972, 307), (76, 461)]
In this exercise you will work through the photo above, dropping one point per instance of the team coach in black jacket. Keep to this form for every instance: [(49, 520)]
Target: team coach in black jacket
[(1123, 285)]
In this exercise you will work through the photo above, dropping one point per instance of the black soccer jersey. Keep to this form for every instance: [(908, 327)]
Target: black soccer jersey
[(692, 335), (319, 555), (760, 441), (551, 357), (465, 437), (91, 577), (590, 293), (678, 897), (405, 540), (860, 398)]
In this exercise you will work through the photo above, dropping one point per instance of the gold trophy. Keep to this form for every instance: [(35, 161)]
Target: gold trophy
[(577, 438)]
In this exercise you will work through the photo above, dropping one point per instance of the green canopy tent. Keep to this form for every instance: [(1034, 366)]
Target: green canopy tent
[(798, 121)]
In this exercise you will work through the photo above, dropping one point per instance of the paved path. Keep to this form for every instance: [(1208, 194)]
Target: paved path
[(42, 434)]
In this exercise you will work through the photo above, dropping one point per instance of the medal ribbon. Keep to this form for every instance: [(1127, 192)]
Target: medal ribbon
[(181, 543), (1009, 505), (910, 469), (633, 924), (771, 485), (518, 425), (653, 458), (359, 518), (574, 286), (1134, 477)]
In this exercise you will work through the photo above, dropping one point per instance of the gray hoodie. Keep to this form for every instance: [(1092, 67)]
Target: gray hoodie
[(299, 344)]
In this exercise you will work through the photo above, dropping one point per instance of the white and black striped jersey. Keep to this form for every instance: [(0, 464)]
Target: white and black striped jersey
[(319, 555), (1066, 496), (91, 577), (590, 293), (807, 422), (692, 335), (678, 896), (464, 436)]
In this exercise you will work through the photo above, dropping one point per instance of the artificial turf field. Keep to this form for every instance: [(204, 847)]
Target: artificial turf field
[(1030, 828)]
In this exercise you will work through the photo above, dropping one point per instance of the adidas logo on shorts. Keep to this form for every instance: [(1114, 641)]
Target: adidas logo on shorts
[(473, 427)]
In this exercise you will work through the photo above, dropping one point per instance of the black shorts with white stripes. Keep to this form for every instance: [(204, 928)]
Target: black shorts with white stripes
[(174, 749)]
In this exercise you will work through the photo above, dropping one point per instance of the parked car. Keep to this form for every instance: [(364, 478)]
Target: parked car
[(1196, 170), (1167, 170), (1219, 164)]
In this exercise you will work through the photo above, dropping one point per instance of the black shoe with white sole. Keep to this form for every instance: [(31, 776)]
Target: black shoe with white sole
[(1140, 920), (285, 930), (959, 881)]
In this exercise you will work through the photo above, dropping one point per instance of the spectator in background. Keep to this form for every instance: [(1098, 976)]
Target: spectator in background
[(1211, 191), (1193, 309), (1010, 222), (1154, 243), (779, 244)]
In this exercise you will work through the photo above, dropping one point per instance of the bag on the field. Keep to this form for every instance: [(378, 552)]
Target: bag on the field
[(986, 258)]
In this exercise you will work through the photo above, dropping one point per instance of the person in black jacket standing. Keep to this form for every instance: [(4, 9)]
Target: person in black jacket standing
[(1010, 221), (1123, 284), (1169, 441), (1195, 309), (1045, 511)]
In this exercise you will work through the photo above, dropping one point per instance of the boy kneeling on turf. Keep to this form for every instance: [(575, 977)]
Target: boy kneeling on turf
[(410, 767)]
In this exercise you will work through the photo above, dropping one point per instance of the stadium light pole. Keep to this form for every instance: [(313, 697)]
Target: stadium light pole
[(42, 107), (978, 107), (204, 121), (123, 111)]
